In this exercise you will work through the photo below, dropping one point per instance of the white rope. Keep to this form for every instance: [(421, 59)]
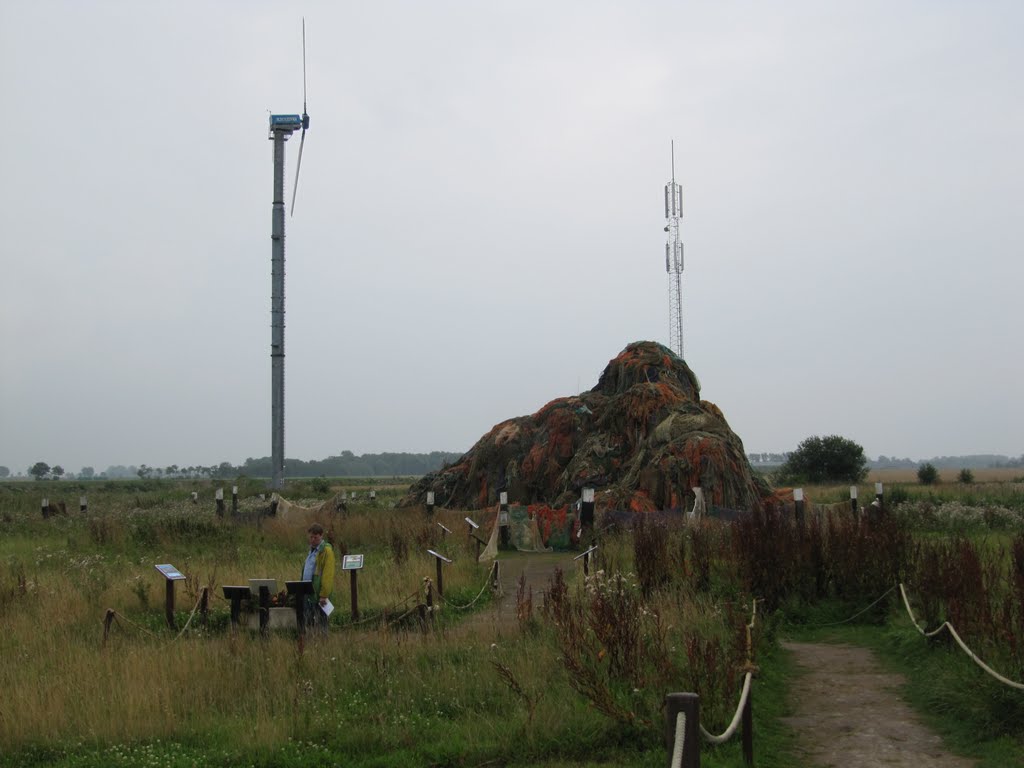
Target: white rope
[(859, 613), (960, 642), (200, 600), (735, 718), (470, 604), (913, 621), (677, 745)]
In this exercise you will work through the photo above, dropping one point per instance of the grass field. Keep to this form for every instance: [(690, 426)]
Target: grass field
[(459, 692), (576, 681)]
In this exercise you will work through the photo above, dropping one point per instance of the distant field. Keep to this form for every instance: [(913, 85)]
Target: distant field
[(997, 475)]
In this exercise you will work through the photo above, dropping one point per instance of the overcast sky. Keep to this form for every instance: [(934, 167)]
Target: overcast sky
[(479, 220)]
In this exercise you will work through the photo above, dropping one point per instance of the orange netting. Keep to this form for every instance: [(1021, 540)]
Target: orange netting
[(642, 437)]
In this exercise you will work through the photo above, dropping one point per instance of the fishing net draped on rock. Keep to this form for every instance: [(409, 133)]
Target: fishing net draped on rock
[(642, 438)]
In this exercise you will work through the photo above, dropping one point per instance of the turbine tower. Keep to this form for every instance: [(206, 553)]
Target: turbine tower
[(281, 129), (674, 259)]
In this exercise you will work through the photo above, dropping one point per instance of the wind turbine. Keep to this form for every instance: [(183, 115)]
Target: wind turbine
[(281, 129)]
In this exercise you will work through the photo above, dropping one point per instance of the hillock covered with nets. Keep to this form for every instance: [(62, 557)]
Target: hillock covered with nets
[(642, 438)]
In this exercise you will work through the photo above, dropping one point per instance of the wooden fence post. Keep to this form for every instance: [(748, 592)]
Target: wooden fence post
[(853, 499), (107, 621), (504, 532), (587, 511), (430, 503), (83, 504), (219, 496), (689, 705), (234, 499), (798, 502), (45, 508)]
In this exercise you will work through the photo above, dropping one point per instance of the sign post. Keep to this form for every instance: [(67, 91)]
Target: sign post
[(235, 595), (430, 503), (352, 564), (171, 575), (471, 533), (440, 578), (798, 501), (586, 559), (263, 588), (300, 589)]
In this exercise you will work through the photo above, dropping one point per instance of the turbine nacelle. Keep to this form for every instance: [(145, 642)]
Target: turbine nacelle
[(288, 124)]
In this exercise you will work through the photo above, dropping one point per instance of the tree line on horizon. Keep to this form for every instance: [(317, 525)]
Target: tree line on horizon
[(347, 464), (969, 461)]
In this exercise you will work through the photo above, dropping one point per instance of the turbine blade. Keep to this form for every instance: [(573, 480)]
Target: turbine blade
[(298, 166)]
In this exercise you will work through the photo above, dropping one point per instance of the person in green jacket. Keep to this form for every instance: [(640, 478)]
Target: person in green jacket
[(318, 568)]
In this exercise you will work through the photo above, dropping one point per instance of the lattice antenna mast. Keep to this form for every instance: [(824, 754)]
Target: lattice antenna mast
[(674, 259)]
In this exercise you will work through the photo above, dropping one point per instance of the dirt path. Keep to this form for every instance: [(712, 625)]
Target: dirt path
[(538, 569), (849, 713)]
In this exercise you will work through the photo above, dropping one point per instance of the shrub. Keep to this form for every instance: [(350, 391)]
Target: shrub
[(831, 459), (927, 474), (966, 476)]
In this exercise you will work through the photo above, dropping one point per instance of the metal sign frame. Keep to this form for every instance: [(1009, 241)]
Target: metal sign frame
[(169, 572), (438, 555), (584, 554), (351, 562)]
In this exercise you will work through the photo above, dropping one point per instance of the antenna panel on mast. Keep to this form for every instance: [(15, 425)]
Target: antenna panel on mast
[(674, 259)]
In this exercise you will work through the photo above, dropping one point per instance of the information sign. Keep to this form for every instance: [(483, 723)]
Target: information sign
[(584, 554), (438, 555), (170, 572), (351, 562)]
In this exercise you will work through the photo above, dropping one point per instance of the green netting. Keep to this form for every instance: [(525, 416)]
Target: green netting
[(643, 438)]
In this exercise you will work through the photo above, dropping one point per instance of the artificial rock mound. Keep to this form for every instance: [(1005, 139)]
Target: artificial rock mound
[(642, 438)]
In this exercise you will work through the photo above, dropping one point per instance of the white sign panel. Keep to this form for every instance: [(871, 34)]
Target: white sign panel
[(351, 562)]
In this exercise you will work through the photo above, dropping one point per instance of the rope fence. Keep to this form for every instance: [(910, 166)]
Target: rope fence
[(487, 583), (959, 641), (856, 615), (731, 730), (685, 707)]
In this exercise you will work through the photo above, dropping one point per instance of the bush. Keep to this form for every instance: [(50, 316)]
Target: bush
[(927, 474), (966, 476), (831, 459)]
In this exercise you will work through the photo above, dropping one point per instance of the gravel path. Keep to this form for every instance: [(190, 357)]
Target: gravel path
[(849, 713)]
